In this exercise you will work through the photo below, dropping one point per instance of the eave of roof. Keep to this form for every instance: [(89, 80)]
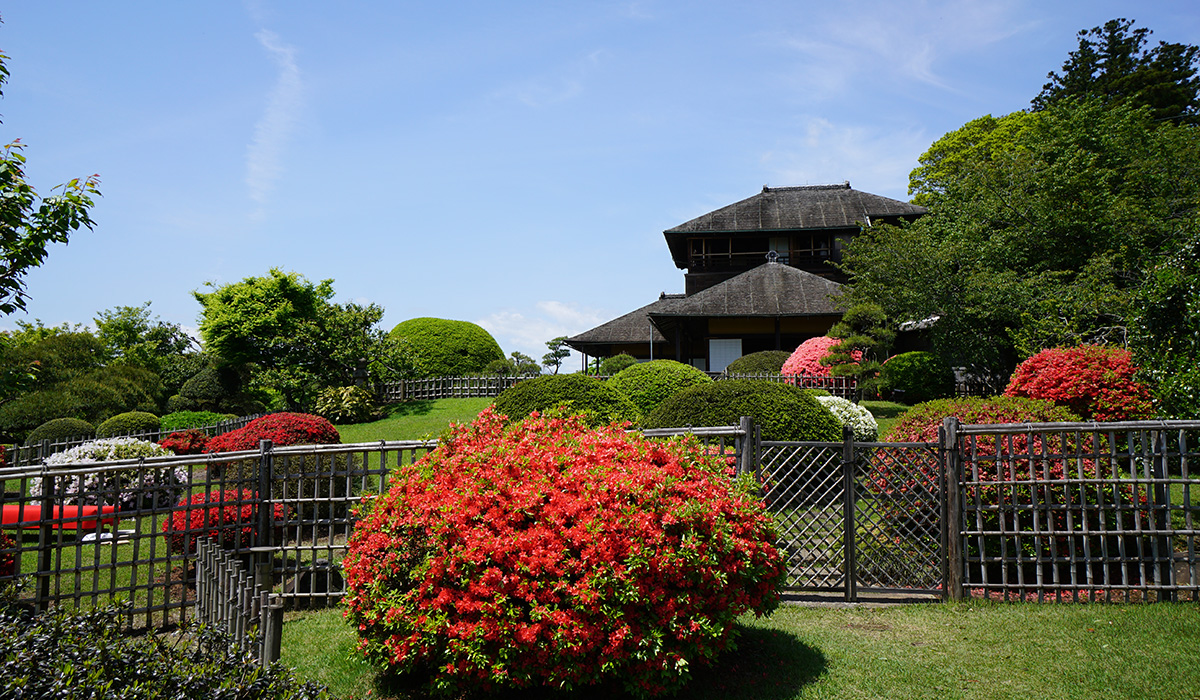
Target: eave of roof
[(771, 290)]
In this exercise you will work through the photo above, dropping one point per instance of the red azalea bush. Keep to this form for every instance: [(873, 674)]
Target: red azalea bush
[(226, 516), (282, 429), (549, 553), (1094, 381), (8, 560), (185, 442), (806, 360), (1005, 507)]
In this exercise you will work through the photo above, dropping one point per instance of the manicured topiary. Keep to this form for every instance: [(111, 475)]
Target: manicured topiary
[(183, 420), (60, 429), (282, 429), (648, 384), (185, 442), (579, 393), (616, 363), (764, 362), (806, 360), (548, 554), (227, 517), (446, 348), (205, 389), (853, 416), (129, 423), (917, 377), (783, 412), (1094, 381)]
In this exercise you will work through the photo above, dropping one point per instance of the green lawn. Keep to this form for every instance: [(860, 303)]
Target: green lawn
[(886, 413), (968, 650), (415, 420)]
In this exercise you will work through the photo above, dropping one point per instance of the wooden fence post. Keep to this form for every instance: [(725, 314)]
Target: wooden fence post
[(850, 529), (271, 623), (952, 587), (266, 513), (748, 456)]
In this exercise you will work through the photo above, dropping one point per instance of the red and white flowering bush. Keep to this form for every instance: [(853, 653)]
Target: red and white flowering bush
[(225, 516), (282, 429), (806, 360), (550, 553), (1094, 381)]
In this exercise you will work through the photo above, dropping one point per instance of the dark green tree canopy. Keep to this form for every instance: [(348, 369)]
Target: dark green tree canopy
[(1114, 64)]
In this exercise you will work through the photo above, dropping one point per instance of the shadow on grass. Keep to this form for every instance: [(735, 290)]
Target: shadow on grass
[(419, 407), (886, 409), (767, 664)]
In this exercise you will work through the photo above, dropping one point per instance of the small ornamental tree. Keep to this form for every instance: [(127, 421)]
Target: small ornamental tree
[(806, 360), (545, 553), (1093, 381)]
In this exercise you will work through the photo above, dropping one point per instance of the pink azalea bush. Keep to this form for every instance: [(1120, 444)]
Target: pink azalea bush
[(1093, 381), (806, 360)]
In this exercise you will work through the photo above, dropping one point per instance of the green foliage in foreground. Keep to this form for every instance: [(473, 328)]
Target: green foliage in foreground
[(969, 650)]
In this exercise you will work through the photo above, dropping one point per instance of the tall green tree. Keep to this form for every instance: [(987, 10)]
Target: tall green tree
[(864, 330), (1114, 64), (134, 336), (29, 223)]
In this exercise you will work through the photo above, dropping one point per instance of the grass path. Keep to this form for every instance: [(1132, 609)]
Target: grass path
[(969, 650)]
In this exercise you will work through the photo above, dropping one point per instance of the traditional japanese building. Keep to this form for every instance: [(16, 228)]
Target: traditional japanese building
[(758, 276)]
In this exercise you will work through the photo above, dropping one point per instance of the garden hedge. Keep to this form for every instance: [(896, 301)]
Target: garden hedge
[(783, 412), (446, 348), (183, 420), (648, 384), (616, 363), (917, 377), (60, 429), (129, 423), (764, 362), (579, 393)]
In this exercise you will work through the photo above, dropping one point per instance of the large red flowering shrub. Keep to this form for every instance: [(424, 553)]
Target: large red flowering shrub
[(1094, 381), (226, 516), (1034, 469), (282, 429), (806, 360), (549, 553), (185, 442)]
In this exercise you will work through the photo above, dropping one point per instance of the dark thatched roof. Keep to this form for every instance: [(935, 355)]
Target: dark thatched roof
[(633, 327), (771, 290), (791, 208)]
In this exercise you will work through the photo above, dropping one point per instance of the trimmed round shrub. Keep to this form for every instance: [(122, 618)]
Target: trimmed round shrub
[(921, 422), (446, 348), (205, 389), (917, 377), (282, 429), (183, 420), (346, 404), (548, 554), (806, 359), (147, 487), (853, 416), (60, 429), (1094, 381), (185, 442), (129, 423), (764, 362), (782, 412), (648, 384), (20, 416), (577, 392), (229, 517), (616, 363)]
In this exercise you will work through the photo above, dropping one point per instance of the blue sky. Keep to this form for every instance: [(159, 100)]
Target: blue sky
[(511, 164)]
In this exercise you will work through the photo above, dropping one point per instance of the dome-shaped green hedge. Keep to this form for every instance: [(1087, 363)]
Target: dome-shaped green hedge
[(650, 383), (128, 423), (616, 363), (579, 393), (446, 348), (783, 412), (765, 362), (60, 429), (917, 377)]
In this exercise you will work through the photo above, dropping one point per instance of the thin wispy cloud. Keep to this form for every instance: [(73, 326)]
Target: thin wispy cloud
[(264, 156), (527, 331), (561, 86)]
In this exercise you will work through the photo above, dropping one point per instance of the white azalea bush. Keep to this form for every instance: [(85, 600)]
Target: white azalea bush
[(853, 416), (124, 488)]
